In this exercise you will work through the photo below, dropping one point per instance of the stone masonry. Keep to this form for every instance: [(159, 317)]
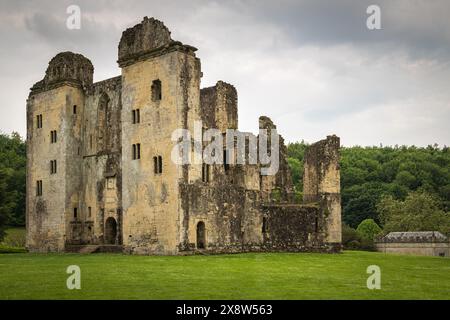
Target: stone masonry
[(99, 169)]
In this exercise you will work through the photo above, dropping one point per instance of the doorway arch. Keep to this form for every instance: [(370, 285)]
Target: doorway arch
[(110, 231), (201, 237)]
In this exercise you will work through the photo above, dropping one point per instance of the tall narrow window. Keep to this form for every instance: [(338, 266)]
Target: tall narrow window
[(75, 212), (157, 164), (156, 90), (264, 225), (39, 187), (226, 164), (136, 116), (39, 121), (75, 109), (53, 136), (205, 172), (89, 212), (52, 166), (136, 151), (90, 141)]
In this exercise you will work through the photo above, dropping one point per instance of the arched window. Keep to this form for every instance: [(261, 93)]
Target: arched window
[(201, 237)]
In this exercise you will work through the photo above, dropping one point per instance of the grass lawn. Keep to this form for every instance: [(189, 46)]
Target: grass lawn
[(239, 276)]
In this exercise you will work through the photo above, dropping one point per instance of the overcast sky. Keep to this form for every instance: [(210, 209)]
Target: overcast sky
[(312, 66)]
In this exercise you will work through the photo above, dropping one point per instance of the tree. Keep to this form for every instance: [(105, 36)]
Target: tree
[(350, 238), (368, 229), (420, 211), (12, 180)]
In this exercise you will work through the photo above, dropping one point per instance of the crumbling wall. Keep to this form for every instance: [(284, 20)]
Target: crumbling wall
[(66, 68), (142, 38), (321, 184), (293, 227), (230, 214), (218, 105), (281, 181)]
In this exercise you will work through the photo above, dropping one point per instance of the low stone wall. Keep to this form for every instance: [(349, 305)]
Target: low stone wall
[(415, 248)]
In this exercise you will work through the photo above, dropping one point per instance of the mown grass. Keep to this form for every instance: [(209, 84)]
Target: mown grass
[(239, 276)]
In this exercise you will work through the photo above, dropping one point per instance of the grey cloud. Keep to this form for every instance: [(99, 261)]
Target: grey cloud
[(312, 65)]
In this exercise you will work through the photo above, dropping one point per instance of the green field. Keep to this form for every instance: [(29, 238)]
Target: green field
[(239, 276)]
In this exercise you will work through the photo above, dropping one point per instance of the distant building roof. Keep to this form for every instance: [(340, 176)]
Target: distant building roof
[(415, 236)]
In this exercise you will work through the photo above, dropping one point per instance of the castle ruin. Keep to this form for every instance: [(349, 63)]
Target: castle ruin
[(100, 174)]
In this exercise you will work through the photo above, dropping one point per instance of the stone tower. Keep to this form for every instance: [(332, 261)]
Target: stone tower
[(54, 112), (161, 82)]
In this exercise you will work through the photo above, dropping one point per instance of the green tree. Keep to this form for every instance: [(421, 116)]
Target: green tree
[(12, 180), (368, 229), (420, 211)]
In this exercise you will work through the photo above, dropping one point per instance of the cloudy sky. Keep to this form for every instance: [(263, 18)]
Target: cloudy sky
[(312, 66)]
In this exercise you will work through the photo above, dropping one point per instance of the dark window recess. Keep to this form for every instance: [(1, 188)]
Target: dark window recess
[(136, 116), (205, 172), (39, 187), (39, 121), (53, 136), (201, 235), (89, 212), (264, 225), (157, 164), (136, 151), (226, 164), (53, 166), (75, 212), (75, 109), (156, 90)]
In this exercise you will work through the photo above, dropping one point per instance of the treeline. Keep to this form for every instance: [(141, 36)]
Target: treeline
[(12, 180), (400, 188)]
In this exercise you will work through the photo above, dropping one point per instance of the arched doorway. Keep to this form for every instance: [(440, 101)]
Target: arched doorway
[(110, 231), (201, 242)]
